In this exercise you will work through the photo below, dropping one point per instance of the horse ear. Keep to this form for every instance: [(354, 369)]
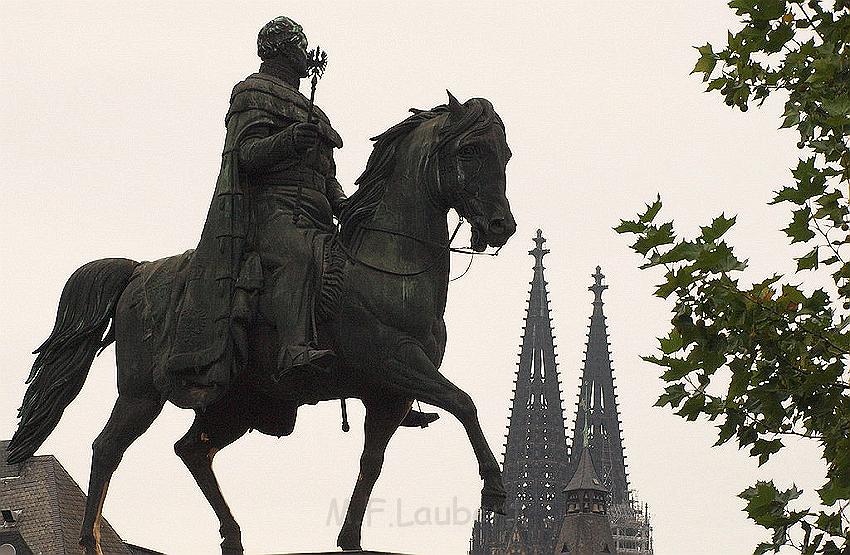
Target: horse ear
[(455, 107)]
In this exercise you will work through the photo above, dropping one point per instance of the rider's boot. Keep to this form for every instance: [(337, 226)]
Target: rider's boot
[(416, 419)]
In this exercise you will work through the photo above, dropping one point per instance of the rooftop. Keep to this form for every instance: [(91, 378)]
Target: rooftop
[(45, 506)]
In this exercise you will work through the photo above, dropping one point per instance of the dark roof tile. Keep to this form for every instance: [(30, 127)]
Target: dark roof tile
[(52, 506), (585, 477)]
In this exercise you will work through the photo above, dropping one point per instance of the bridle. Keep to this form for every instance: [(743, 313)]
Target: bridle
[(435, 259), (460, 201)]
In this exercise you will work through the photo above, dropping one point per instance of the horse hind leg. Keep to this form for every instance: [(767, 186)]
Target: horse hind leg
[(383, 418), (210, 432), (130, 418)]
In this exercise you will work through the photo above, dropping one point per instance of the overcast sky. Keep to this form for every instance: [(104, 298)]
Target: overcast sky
[(110, 140)]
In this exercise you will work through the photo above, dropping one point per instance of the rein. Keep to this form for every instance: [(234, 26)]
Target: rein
[(434, 261)]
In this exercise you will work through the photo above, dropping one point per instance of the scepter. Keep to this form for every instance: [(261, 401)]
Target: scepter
[(317, 61)]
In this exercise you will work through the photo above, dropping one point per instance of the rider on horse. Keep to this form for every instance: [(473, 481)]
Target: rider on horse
[(268, 230), (290, 174)]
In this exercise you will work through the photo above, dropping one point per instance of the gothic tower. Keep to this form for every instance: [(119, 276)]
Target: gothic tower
[(597, 423), (535, 462), (597, 432)]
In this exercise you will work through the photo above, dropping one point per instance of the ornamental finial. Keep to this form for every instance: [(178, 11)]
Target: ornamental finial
[(597, 286), (538, 252)]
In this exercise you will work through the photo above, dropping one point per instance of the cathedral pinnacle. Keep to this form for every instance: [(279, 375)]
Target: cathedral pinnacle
[(538, 252), (597, 286)]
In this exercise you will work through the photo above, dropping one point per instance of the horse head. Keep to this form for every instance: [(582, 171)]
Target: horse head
[(473, 154), (457, 155)]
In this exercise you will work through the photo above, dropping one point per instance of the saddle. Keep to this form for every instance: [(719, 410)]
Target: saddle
[(161, 290), (160, 294), (163, 283)]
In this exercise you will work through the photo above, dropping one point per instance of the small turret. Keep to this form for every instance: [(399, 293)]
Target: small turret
[(585, 492), (586, 529)]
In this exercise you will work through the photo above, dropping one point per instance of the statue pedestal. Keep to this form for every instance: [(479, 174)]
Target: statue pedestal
[(359, 552)]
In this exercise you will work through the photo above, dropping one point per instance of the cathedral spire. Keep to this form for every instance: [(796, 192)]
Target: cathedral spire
[(535, 463), (538, 463), (597, 437), (597, 424)]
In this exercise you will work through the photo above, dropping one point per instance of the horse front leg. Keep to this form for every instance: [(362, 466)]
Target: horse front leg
[(413, 371), (383, 417)]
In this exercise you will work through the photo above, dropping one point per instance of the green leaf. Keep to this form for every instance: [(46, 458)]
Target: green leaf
[(767, 10), (651, 211), (681, 278), (791, 293), (808, 261), (673, 395), (716, 84), (799, 230), (777, 38), (654, 237), (627, 226), (738, 384), (720, 225), (693, 407), (707, 61), (683, 250), (678, 369), (719, 259), (790, 194), (763, 449), (671, 343), (787, 350), (833, 492), (790, 120), (727, 431)]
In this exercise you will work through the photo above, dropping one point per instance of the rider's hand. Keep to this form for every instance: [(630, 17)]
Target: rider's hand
[(339, 207), (305, 136)]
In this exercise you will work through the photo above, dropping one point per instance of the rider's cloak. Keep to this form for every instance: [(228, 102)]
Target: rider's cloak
[(200, 362)]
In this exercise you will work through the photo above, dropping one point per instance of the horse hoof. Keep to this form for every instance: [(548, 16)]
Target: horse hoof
[(232, 547), (493, 499), (347, 542), (90, 546)]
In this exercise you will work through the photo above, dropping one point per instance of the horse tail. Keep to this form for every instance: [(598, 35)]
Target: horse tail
[(82, 330)]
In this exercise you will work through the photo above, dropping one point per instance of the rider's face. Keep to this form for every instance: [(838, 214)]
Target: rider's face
[(300, 41), (298, 51)]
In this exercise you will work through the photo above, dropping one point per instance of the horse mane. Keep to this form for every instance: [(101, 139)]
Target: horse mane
[(478, 115)]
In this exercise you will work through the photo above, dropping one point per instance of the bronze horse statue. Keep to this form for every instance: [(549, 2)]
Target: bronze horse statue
[(387, 327)]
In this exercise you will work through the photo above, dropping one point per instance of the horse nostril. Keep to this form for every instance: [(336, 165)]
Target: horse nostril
[(511, 226), (497, 226)]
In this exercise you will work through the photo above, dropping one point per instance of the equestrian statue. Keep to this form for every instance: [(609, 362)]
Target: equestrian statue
[(279, 305)]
